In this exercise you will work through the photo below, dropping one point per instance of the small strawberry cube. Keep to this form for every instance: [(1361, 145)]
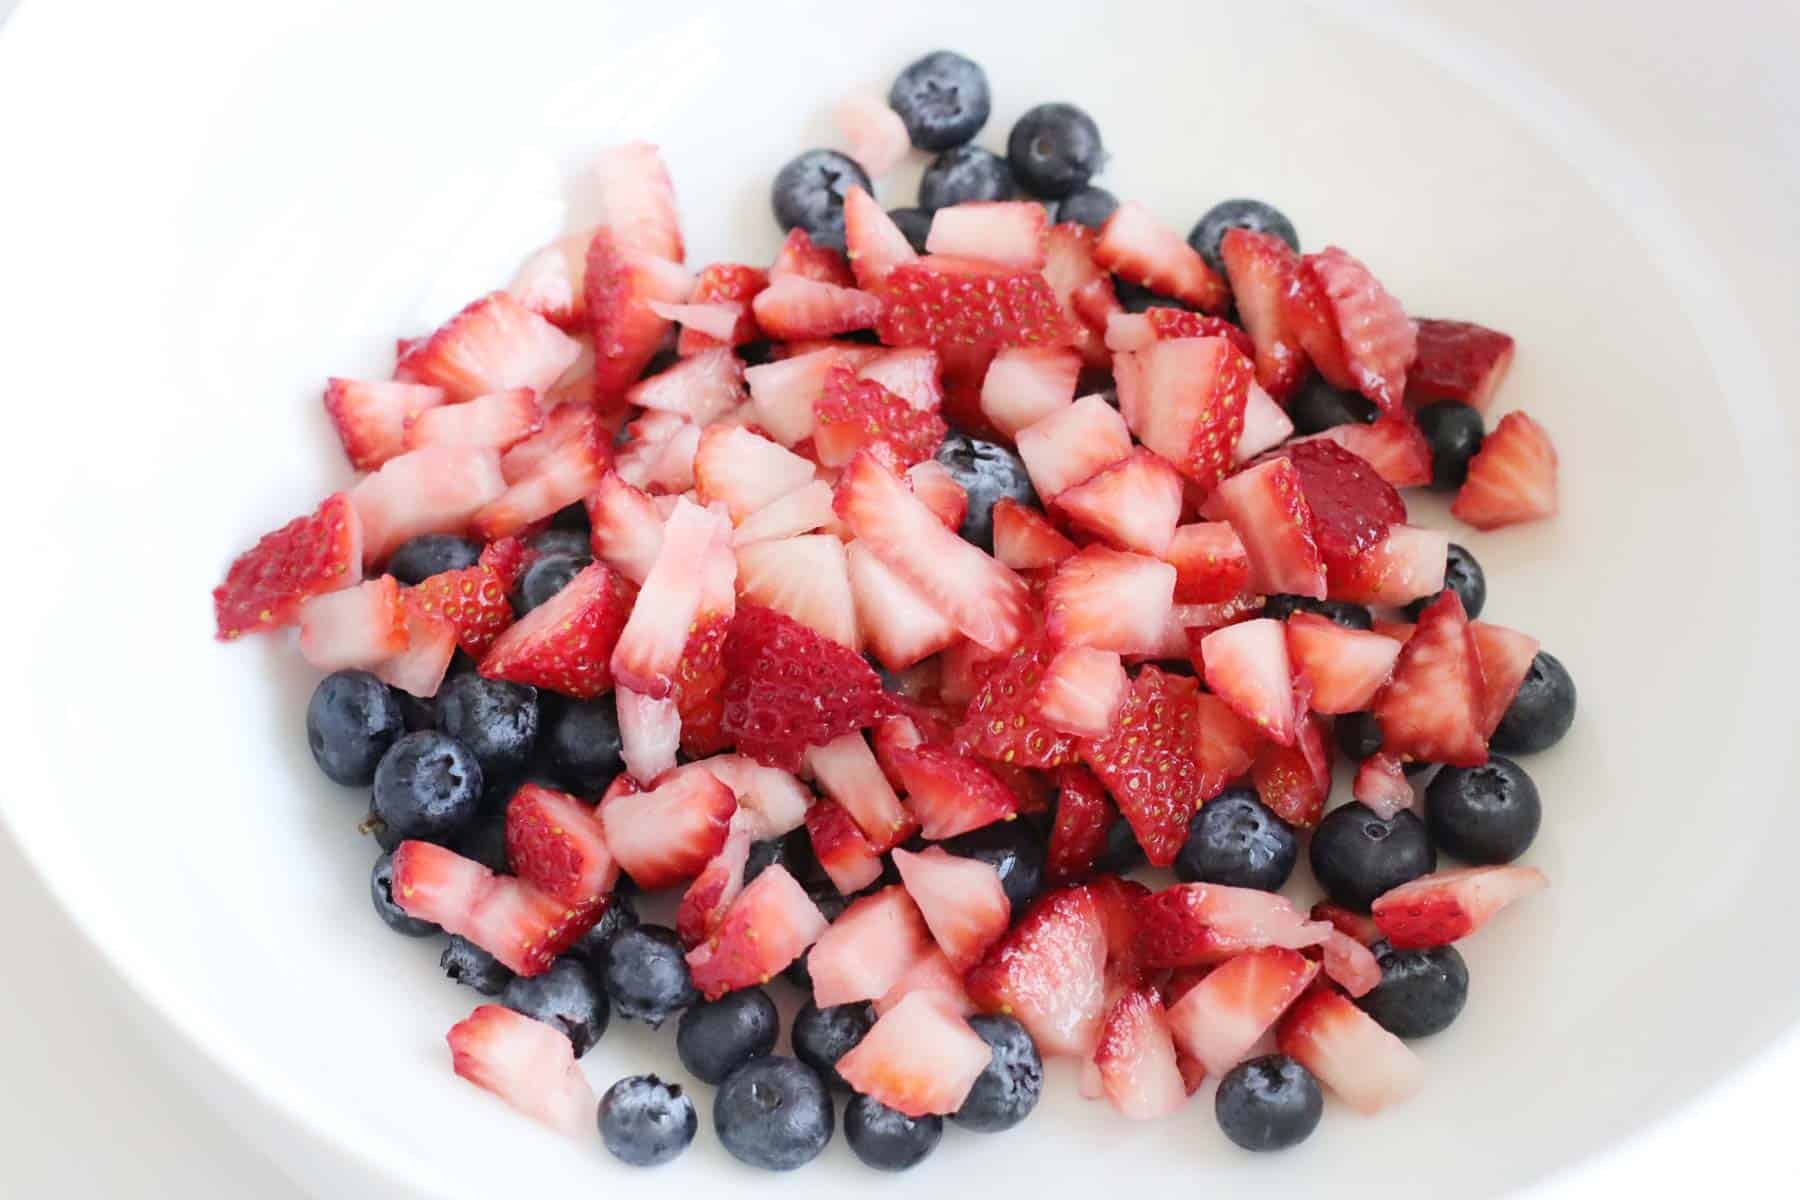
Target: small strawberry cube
[(555, 843), (1007, 232), (1351, 924), (732, 285), (1261, 267), (1394, 446), (1109, 600), (1432, 707), (1512, 478), (268, 584), (620, 283), (803, 258), (840, 847), (1266, 425), (354, 627), (566, 644), (794, 307), (627, 528), (875, 243), (1226, 744), (1084, 817), (901, 626), (1024, 540), (943, 301), (1185, 399), (855, 414), (938, 490), (1026, 384), (1350, 964), (1134, 504), (371, 416), (493, 345), (933, 977), (496, 420), (808, 579), (666, 835), (775, 796), (1180, 926), (1247, 667), (564, 477), (702, 387), (1379, 339), (787, 688), (1082, 287), (963, 903), (1137, 246), (1346, 667), (802, 510), (918, 1058), (1405, 565), (711, 892), (949, 793), (1211, 564), (1048, 973), (570, 423), (783, 393), (911, 373), (1381, 784), (1459, 361), (1223, 1016), (770, 924), (431, 642), (1437, 909), (650, 646), (1365, 1065), (552, 282), (1081, 691), (526, 1063), (1072, 445), (868, 948), (745, 471), (1148, 765), (1506, 657), (1268, 509), (1136, 1058), (523, 927), (845, 770)]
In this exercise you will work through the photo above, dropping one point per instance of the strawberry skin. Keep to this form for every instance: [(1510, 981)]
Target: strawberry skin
[(1351, 505), (770, 924), (307, 557), (948, 793), (555, 843), (1147, 765), (1048, 973), (855, 413), (1379, 340), (1078, 838), (473, 600), (1512, 478), (1431, 709), (940, 301), (1136, 1058), (1459, 361), (566, 644), (1437, 909), (844, 853), (788, 688), (620, 285), (523, 927), (1001, 721)]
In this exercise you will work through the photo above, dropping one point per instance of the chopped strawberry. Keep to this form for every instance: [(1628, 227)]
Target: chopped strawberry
[(1185, 400), (1266, 425), (627, 529), (901, 626), (949, 793), (1247, 667), (552, 282), (745, 471), (638, 199), (1445, 907), (1267, 507), (704, 903), (934, 485), (911, 373), (570, 423), (867, 949), (267, 585), (1346, 666), (1431, 709), (650, 646), (793, 306), (842, 851), (1351, 506), (521, 926), (1261, 268), (776, 797), (1110, 600), (1007, 232), (659, 458), (621, 283), (1506, 657), (788, 688), (1147, 763), (723, 285), (1188, 924), (1350, 965), (1407, 564), (1027, 383), (566, 644), (1295, 781), (1381, 784), (667, 834), (717, 321), (1083, 816), (1225, 744), (802, 258), (1081, 691), (566, 475), (649, 732), (1048, 973), (494, 344), (1135, 331), (1211, 565), (1307, 315), (934, 977), (962, 670), (1002, 722), (1136, 1058), (768, 926), (1082, 287), (1223, 1016), (854, 414), (507, 558), (783, 393), (875, 243), (430, 644), (1140, 248), (806, 578), (702, 387), (1365, 1065), (1024, 540), (435, 490), (800, 511), (496, 420), (353, 627), (526, 1063), (555, 843), (1133, 504), (1512, 478), (942, 301), (1072, 445), (473, 600), (1379, 340), (961, 899), (1352, 925), (1394, 446), (371, 416), (846, 770), (918, 1058), (1458, 361)]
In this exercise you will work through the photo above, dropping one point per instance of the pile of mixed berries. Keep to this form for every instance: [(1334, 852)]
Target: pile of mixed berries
[(892, 605)]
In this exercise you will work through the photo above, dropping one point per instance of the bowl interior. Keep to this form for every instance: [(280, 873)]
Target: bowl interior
[(329, 179)]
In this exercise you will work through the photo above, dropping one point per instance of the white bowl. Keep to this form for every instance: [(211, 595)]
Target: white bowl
[(196, 236)]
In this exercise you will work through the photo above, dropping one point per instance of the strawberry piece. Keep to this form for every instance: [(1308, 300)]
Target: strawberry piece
[(783, 393), (1147, 764), (846, 771), (554, 842), (1222, 1017), (526, 1063), (1081, 692), (521, 926), (1261, 268), (1225, 745), (942, 301), (1394, 446), (627, 528), (353, 627), (961, 899), (1350, 965), (566, 644), (570, 423), (776, 797), (267, 585), (371, 416), (1345, 666), (1109, 600), (900, 624), (1211, 564), (802, 510), (718, 314), (1295, 781), (658, 455), (702, 387), (473, 601), (507, 558), (1381, 784), (620, 285), (1431, 709), (1082, 287), (1133, 504), (986, 601), (1506, 656), (1247, 667), (911, 373), (868, 948), (788, 688), (495, 420), (1072, 445), (1025, 384), (1185, 399), (1078, 837), (802, 258), (635, 193), (806, 578), (933, 977), (1307, 315), (793, 306), (842, 851), (1137, 246), (938, 490), (1266, 425), (1351, 506), (962, 669), (430, 644), (667, 834), (1353, 925), (1365, 1065), (1136, 1058), (552, 282), (650, 647), (1378, 338), (1193, 924), (854, 414), (1024, 540), (1447, 906), (1407, 564), (1002, 722), (1048, 973), (699, 683), (493, 345), (949, 793), (873, 134), (1458, 361), (876, 244), (704, 903), (768, 926), (1512, 478), (1007, 232), (917, 1058), (1268, 509), (744, 471), (565, 476), (1127, 332)]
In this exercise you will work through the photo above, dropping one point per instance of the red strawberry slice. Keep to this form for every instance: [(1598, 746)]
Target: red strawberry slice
[(564, 477), (1002, 722), (353, 627), (962, 670), (1394, 446), (900, 624), (1082, 287), (1345, 666), (1381, 784), (961, 899), (1185, 399), (846, 771), (1349, 964), (949, 793), (844, 854), (1431, 709), (1266, 425), (1136, 1058), (1007, 232), (1222, 1017), (650, 646), (986, 601), (430, 644), (1247, 667), (666, 835), (933, 977), (494, 344), (1506, 656), (911, 373), (1447, 906), (1512, 478), (1407, 564), (495, 420), (1025, 384), (854, 414), (793, 306), (1072, 445), (1048, 973), (699, 686), (1351, 506), (371, 416), (868, 948), (704, 903), (570, 423), (1459, 361), (1024, 540), (725, 284), (1363, 1064), (1261, 268), (526, 1063), (552, 282), (1225, 744), (473, 601), (783, 393), (768, 926), (744, 471), (802, 258), (1147, 763), (1133, 504), (566, 644), (635, 193), (1081, 691), (555, 843), (1129, 332), (1268, 509), (917, 1058), (1083, 816), (627, 528), (876, 244), (1211, 564), (1295, 781), (806, 578), (1109, 600), (309, 556), (521, 926), (800, 511), (507, 558), (938, 490), (1307, 315), (1379, 340), (702, 387), (788, 688), (621, 283), (1135, 245), (1191, 923), (1352, 925), (942, 301), (659, 457)]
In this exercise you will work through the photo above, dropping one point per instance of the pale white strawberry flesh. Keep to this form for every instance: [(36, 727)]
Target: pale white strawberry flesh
[(1247, 667), (1081, 691), (917, 1058), (526, 1063), (1008, 232), (1025, 384), (867, 949), (1363, 1064), (1220, 1018), (1072, 445), (961, 899), (808, 578)]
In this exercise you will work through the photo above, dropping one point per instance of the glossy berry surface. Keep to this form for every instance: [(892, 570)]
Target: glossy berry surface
[(964, 175), (351, 721), (1356, 855), (595, 946), (988, 473), (1318, 406), (418, 559), (1054, 149), (1454, 432), (566, 997), (717, 1037), (1358, 735), (496, 720), (580, 744), (1226, 215), (821, 1036), (808, 193), (1089, 206), (915, 223), (1542, 712), (381, 891), (647, 975), (774, 1113), (1008, 1088), (832, 905), (942, 99), (1268, 1103), (1421, 991), (544, 578), (1485, 815), (468, 964), (1236, 840), (1351, 616), (428, 786), (886, 1138), (1015, 849), (1462, 575), (646, 1122)]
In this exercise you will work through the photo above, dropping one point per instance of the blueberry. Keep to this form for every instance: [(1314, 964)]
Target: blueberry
[(1268, 1103), (1055, 149), (717, 1037), (1254, 215), (942, 99), (1351, 616), (1485, 815), (544, 578), (821, 1036), (764, 854), (1454, 432), (1236, 840), (1122, 853), (375, 827), (1421, 991), (1542, 712), (483, 840), (989, 474), (1015, 849), (351, 721), (1318, 406), (646, 1122), (647, 975), (595, 946), (580, 744), (572, 517), (468, 964), (418, 559), (832, 906), (808, 193), (1358, 735), (965, 174), (1009, 1086), (886, 1138), (567, 998), (1357, 856), (419, 712), (774, 1113), (1462, 575), (496, 720), (573, 542), (1089, 206), (1135, 298), (381, 890), (428, 787), (915, 223)]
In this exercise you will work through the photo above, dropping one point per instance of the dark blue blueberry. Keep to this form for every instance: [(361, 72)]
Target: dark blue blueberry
[(572, 542), (419, 712), (351, 721), (989, 474), (1235, 839), (774, 1113), (809, 192), (1015, 849), (965, 174), (646, 1122), (1055, 149), (1254, 215), (1136, 298), (943, 100), (647, 975), (1089, 206), (1351, 616), (1122, 853), (572, 517), (1009, 1086), (832, 905), (468, 964), (496, 720), (1269, 1103), (1358, 735), (595, 945), (821, 1036), (428, 787), (886, 1138), (1454, 432), (545, 577), (1421, 991), (484, 838), (566, 998), (418, 559), (381, 890), (1462, 575), (1357, 856), (580, 744), (764, 854), (1318, 406), (1484, 815), (719, 1036), (376, 828), (1543, 710), (915, 223)]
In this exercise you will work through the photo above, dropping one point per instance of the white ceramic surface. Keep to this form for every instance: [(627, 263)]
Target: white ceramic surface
[(220, 237)]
